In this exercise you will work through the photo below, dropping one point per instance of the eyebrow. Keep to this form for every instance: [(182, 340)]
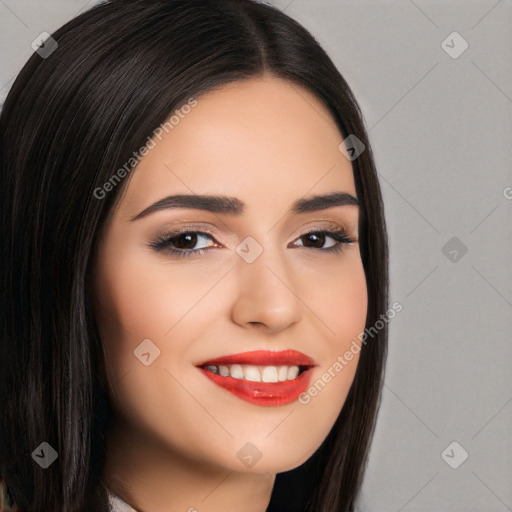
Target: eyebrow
[(234, 206)]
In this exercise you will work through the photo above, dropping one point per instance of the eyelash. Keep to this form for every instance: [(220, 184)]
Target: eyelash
[(163, 242)]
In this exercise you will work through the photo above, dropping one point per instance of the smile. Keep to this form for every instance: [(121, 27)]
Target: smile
[(257, 373), (261, 377)]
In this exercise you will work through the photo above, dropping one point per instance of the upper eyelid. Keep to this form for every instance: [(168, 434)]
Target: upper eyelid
[(317, 225)]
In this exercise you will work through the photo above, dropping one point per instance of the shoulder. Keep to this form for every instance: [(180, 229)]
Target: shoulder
[(6, 501)]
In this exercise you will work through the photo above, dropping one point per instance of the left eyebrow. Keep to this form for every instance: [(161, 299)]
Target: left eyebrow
[(234, 206), (323, 202)]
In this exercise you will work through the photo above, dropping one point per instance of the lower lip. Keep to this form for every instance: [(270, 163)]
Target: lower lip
[(263, 393)]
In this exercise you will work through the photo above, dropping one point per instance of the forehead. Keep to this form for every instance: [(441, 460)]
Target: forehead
[(263, 140)]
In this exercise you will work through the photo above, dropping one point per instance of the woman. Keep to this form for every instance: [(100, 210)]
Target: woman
[(139, 371)]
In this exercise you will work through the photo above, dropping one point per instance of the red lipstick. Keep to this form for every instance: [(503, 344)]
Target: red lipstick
[(264, 357), (262, 393)]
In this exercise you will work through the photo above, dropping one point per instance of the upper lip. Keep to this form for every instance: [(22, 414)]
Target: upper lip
[(264, 358)]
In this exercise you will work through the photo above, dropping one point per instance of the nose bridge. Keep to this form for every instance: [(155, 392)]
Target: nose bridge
[(266, 292)]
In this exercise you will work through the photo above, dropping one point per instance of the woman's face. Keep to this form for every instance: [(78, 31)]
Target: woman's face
[(244, 278)]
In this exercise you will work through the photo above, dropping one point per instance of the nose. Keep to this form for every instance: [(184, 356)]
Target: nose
[(266, 298)]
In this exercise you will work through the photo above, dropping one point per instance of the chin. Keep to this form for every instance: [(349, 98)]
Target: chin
[(270, 458)]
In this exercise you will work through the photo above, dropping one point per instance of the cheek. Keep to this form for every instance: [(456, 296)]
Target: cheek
[(339, 300), (342, 306), (346, 304), (346, 311), (139, 299)]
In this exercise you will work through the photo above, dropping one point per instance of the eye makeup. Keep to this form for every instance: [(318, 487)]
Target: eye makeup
[(189, 235)]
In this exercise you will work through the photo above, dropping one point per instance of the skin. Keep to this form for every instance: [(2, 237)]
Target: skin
[(175, 436)]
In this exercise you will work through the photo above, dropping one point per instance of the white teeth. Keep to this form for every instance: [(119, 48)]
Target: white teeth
[(293, 372), (252, 373), (269, 374), (236, 371), (283, 373), (224, 371), (256, 373)]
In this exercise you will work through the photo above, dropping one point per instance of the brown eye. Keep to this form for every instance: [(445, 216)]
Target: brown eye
[(183, 243), (317, 239)]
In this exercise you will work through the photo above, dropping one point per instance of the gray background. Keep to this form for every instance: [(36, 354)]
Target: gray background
[(441, 129)]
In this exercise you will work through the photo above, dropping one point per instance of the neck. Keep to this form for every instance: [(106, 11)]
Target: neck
[(152, 478)]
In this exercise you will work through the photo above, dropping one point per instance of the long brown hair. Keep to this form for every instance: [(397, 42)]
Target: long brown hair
[(69, 121)]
